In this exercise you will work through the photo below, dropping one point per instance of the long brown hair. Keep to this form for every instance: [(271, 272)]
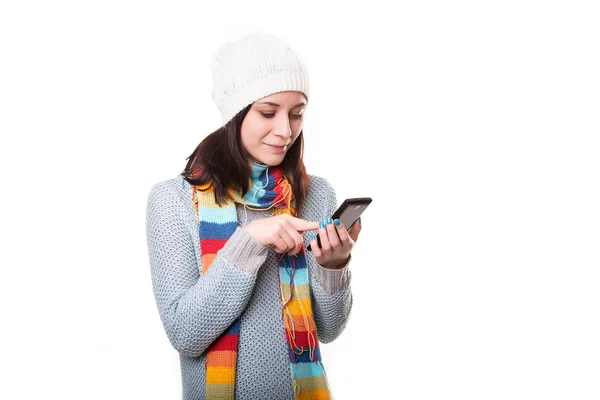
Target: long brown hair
[(222, 161)]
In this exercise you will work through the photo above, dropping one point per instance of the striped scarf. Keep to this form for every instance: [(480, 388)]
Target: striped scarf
[(269, 191)]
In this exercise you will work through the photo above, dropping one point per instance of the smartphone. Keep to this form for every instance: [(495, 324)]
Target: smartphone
[(348, 212)]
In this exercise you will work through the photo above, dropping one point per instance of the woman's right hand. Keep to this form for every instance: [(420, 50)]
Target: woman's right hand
[(282, 231)]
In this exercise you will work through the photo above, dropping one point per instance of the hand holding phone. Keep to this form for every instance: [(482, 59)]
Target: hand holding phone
[(350, 210)]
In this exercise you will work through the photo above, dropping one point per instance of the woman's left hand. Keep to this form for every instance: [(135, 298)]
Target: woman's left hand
[(336, 243)]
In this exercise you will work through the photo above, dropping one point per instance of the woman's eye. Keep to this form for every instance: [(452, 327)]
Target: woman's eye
[(271, 115)]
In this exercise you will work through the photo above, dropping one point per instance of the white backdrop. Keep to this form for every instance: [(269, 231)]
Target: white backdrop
[(473, 126)]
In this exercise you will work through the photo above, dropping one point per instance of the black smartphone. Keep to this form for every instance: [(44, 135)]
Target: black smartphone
[(348, 212)]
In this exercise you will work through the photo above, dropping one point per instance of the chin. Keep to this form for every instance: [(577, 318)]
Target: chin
[(274, 162), (271, 161)]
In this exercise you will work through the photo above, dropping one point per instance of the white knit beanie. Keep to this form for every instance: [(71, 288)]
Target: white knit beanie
[(253, 67)]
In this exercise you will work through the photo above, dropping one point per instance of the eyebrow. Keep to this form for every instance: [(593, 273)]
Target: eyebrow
[(277, 105)]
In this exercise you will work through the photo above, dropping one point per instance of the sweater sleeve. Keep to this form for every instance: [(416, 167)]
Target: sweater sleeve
[(331, 294), (196, 308)]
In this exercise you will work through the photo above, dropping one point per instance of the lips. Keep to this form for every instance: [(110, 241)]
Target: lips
[(276, 149)]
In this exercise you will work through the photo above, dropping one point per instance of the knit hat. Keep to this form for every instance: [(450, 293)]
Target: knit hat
[(255, 66)]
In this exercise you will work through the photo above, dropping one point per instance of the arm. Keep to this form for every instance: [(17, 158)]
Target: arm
[(331, 294), (331, 300), (195, 309)]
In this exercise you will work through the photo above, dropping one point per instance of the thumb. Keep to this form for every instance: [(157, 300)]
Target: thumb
[(355, 230)]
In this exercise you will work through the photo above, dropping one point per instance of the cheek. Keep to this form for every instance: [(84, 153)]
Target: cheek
[(250, 140), (250, 132), (296, 130)]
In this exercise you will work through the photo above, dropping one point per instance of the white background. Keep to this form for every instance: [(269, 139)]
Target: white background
[(473, 125)]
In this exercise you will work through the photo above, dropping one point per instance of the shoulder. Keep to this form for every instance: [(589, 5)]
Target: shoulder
[(320, 198), (319, 185), (169, 191)]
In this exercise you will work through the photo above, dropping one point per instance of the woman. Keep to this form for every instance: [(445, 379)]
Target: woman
[(239, 297)]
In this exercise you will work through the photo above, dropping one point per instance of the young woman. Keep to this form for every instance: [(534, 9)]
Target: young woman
[(239, 296)]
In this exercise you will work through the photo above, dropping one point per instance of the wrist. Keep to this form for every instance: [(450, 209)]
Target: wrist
[(336, 264)]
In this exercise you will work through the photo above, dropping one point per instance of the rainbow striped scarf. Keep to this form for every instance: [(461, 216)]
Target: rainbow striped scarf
[(269, 190)]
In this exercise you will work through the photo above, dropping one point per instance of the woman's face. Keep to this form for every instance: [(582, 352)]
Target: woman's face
[(272, 125)]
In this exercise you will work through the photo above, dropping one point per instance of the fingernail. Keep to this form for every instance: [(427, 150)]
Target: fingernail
[(314, 237), (329, 221), (359, 220), (321, 224), (337, 222)]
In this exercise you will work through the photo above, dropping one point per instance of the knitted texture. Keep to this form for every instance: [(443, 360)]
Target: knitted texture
[(243, 283), (253, 67)]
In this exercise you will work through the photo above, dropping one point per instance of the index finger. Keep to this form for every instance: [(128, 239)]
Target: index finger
[(302, 225)]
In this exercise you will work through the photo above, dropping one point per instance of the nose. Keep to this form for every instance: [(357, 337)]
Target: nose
[(282, 127)]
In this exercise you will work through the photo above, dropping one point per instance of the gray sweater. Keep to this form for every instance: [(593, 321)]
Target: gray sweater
[(242, 282)]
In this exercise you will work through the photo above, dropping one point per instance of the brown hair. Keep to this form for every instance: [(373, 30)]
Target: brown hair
[(222, 161)]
